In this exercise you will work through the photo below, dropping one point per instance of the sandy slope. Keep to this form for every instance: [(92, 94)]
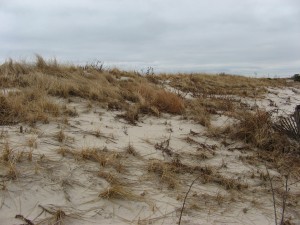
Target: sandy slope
[(49, 182)]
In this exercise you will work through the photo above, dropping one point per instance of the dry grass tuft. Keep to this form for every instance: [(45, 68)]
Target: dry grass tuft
[(60, 136), (11, 68), (70, 112), (206, 173), (63, 151), (12, 171), (210, 201), (131, 115), (8, 113), (199, 113), (58, 216), (229, 183), (32, 142), (218, 132), (164, 172), (7, 153), (210, 176), (162, 100), (206, 170), (257, 129), (149, 99), (104, 158), (8, 159), (168, 102), (214, 105), (110, 177), (131, 150), (118, 192), (29, 106), (201, 108)]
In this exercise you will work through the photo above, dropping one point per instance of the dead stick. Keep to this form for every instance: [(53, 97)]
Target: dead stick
[(284, 198), (273, 195), (21, 217), (179, 222), (46, 210)]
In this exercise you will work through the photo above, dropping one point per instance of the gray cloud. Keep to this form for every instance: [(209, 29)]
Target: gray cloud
[(241, 37)]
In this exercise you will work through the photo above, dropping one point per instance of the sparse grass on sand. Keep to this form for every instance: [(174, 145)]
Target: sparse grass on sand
[(220, 84), (181, 111)]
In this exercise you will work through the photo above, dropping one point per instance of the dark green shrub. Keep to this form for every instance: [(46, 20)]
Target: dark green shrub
[(296, 77)]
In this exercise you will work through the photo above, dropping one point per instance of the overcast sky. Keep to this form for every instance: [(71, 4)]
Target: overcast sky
[(234, 36)]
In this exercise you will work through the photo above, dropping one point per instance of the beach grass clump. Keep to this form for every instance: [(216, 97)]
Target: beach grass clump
[(168, 102), (165, 173), (256, 128), (30, 106), (130, 149), (10, 161), (111, 178), (103, 158), (119, 192), (163, 100)]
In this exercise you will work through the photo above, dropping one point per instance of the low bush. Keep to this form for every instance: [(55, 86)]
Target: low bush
[(257, 129), (296, 77)]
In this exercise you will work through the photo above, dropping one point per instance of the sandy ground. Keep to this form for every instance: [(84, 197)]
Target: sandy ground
[(50, 186)]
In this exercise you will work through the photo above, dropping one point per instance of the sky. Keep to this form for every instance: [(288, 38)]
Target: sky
[(246, 37)]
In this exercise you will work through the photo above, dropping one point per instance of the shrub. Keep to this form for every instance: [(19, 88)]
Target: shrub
[(168, 102), (296, 77), (257, 129), (8, 113), (160, 99)]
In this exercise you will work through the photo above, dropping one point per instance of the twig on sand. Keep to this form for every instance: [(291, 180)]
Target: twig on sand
[(21, 217), (164, 147), (273, 195), (182, 208), (284, 198)]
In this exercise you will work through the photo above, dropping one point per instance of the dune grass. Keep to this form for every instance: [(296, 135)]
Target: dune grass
[(118, 90), (221, 84), (46, 90), (115, 89)]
